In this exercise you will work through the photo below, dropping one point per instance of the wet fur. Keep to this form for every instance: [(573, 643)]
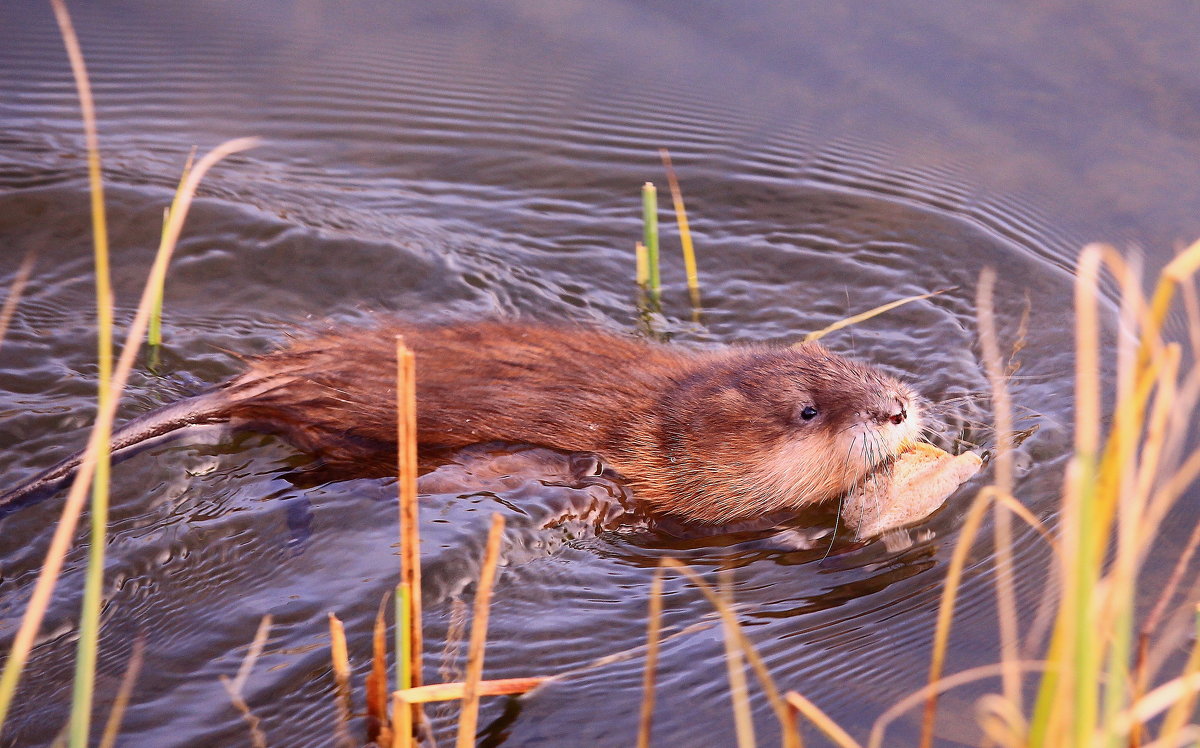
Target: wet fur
[(709, 435)]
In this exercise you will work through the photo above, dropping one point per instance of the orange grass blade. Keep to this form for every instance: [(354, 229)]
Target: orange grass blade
[(479, 621), (340, 656), (402, 735), (378, 728), (410, 536), (15, 292)]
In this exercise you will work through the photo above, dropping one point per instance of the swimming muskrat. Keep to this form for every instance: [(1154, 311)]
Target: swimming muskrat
[(710, 435)]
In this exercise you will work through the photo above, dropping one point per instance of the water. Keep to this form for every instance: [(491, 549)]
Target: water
[(448, 160)]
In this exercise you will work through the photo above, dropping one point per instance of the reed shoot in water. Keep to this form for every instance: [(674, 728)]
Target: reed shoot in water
[(650, 238), (154, 336)]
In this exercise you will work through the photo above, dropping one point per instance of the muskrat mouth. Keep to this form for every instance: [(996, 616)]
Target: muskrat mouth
[(883, 467)]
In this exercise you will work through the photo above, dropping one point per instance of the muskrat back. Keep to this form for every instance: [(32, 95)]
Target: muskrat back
[(707, 434)]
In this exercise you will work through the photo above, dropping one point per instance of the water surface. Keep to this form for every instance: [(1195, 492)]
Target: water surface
[(453, 160)]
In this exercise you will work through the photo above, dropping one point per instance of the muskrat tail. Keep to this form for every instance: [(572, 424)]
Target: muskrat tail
[(140, 433)]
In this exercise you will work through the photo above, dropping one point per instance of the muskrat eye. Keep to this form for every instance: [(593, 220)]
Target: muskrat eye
[(808, 413)]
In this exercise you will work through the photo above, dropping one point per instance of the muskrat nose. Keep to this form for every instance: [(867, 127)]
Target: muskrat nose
[(900, 414)]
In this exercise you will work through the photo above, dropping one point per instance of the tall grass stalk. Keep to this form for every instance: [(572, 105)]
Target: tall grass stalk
[(1118, 489), (98, 441), (410, 538), (89, 617), (1002, 459), (479, 620)]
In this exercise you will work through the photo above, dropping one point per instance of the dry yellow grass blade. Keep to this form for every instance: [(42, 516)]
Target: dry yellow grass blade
[(65, 530), (945, 617), (642, 259), (1006, 606), (483, 597), (15, 292), (236, 686), (685, 233), (739, 693), (402, 710), (1179, 712), (1156, 702), (813, 714), (922, 695), (454, 691), (868, 315), (1002, 722), (778, 705), (116, 715), (653, 632)]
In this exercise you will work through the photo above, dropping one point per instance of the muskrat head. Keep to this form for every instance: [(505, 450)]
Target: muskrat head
[(764, 430)]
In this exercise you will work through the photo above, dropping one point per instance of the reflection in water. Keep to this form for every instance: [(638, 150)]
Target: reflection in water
[(441, 163)]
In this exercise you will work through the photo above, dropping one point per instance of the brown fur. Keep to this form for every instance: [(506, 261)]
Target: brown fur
[(711, 435)]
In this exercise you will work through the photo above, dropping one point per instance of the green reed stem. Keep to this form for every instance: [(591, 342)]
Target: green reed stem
[(650, 235), (154, 337), (89, 617), (403, 637)]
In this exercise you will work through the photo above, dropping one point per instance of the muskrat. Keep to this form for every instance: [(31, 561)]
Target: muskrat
[(710, 435)]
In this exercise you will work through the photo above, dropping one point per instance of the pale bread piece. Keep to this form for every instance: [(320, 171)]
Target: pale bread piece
[(909, 490)]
